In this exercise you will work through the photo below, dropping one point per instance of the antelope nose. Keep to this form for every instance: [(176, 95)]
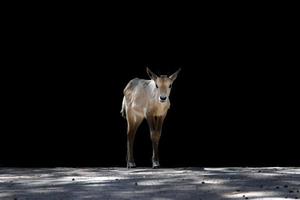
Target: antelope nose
[(163, 98)]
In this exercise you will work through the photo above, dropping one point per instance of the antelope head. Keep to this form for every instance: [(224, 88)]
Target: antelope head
[(163, 84)]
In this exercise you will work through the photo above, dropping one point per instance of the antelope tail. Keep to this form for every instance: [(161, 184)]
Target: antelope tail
[(123, 108)]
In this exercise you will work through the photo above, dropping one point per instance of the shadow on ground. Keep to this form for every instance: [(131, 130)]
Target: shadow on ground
[(161, 184)]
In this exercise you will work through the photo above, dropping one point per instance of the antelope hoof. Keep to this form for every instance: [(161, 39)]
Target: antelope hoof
[(131, 165), (155, 165)]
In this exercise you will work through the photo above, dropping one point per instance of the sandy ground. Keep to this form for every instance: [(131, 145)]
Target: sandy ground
[(145, 183)]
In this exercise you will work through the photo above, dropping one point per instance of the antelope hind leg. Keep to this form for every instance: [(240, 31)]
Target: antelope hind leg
[(131, 131)]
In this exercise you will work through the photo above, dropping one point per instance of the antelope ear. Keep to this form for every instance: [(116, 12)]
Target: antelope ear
[(151, 74), (174, 76)]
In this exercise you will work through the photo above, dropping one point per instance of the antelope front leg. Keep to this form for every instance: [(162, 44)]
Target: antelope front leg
[(155, 124), (155, 137)]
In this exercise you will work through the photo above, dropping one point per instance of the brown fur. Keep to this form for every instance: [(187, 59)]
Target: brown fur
[(146, 99)]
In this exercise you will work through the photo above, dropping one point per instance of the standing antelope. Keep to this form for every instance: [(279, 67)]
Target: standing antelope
[(146, 99)]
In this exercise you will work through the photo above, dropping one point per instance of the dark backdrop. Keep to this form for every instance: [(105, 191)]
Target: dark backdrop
[(225, 111), (234, 102)]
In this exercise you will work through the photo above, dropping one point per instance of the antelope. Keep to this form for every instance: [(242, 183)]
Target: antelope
[(146, 99)]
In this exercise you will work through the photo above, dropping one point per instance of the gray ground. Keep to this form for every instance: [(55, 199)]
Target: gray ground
[(146, 183)]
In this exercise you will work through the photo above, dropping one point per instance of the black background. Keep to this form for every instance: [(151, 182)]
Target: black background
[(233, 104), (229, 115)]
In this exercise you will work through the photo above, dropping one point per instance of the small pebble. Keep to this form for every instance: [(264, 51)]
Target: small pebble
[(243, 195), (246, 198), (297, 191), (277, 187), (291, 191), (238, 190), (203, 182), (135, 183), (285, 186), (259, 171), (73, 179)]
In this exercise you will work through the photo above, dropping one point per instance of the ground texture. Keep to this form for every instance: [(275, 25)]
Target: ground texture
[(145, 183)]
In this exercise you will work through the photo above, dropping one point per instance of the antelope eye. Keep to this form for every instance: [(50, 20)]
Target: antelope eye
[(170, 85), (156, 86)]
